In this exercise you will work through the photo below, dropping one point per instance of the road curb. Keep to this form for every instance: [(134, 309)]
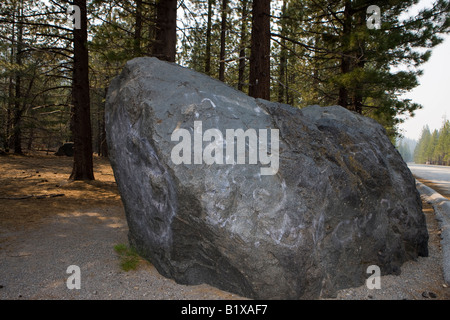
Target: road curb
[(441, 208)]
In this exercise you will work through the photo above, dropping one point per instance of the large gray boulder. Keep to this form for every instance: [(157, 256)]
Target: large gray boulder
[(339, 199)]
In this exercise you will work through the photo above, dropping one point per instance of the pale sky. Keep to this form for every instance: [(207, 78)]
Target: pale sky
[(433, 93)]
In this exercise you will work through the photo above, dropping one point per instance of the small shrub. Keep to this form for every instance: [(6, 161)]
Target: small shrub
[(129, 258)]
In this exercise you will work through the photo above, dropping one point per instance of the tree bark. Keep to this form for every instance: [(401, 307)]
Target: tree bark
[(138, 28), (81, 114), (7, 139), (208, 39), (17, 112), (98, 132), (283, 56), (151, 32), (166, 30), (223, 31), (260, 51), (17, 130), (345, 60), (103, 144), (243, 44), (7, 142), (360, 56), (30, 139)]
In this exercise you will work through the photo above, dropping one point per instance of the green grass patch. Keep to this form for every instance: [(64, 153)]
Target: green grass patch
[(129, 258)]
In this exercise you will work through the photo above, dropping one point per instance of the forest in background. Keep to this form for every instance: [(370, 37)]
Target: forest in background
[(54, 77), (433, 147)]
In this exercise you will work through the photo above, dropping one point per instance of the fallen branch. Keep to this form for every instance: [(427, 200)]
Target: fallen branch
[(42, 196), (25, 254)]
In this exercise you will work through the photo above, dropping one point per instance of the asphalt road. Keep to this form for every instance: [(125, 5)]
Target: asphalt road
[(439, 175)]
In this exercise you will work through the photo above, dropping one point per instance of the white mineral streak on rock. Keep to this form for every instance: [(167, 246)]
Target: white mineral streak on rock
[(210, 101)]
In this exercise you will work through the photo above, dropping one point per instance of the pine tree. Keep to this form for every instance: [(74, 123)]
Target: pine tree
[(420, 155), (431, 146), (259, 82), (166, 30), (354, 64), (441, 153), (81, 115), (223, 33), (243, 45), (208, 38), (35, 60)]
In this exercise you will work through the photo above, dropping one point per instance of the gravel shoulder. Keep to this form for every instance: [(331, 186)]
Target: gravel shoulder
[(419, 280), (34, 262)]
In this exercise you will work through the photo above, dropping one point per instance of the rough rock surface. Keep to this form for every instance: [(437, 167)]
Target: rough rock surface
[(341, 200)]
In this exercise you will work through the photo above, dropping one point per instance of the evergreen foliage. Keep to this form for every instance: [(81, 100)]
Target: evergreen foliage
[(434, 148), (321, 52)]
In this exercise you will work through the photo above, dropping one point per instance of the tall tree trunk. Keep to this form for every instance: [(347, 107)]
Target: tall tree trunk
[(243, 44), (81, 114), (360, 56), (208, 39), (260, 51), (138, 28), (283, 55), (17, 130), (315, 62), (17, 112), (7, 142), (7, 139), (223, 32), (288, 77), (99, 141), (30, 139), (166, 30), (103, 145), (282, 78), (151, 32), (316, 75), (345, 59)]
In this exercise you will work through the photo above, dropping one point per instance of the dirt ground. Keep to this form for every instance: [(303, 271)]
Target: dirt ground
[(35, 187), (40, 206)]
